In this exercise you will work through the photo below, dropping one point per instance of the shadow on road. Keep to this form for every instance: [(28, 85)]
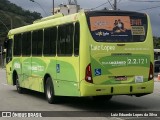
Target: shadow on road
[(86, 103)]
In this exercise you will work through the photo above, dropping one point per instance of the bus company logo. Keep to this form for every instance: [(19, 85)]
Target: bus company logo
[(105, 33), (102, 47), (100, 33), (17, 65), (37, 68)]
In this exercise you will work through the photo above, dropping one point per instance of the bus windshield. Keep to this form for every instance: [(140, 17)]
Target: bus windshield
[(117, 26)]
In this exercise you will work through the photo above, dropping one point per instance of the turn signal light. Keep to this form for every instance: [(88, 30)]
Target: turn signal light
[(151, 74), (88, 76)]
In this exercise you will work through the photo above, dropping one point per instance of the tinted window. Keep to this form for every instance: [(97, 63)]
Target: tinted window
[(50, 37), (26, 44), (76, 39), (65, 40), (17, 45), (37, 41), (117, 26), (40, 42)]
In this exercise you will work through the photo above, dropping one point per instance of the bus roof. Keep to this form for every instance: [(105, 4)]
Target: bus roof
[(45, 23), (60, 19)]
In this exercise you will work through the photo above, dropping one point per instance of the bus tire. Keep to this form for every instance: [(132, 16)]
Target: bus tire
[(103, 98), (19, 88), (49, 91)]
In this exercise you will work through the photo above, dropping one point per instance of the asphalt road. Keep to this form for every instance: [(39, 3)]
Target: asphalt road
[(10, 100)]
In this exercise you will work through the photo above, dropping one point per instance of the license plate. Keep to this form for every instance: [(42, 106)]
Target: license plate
[(138, 79), (120, 78)]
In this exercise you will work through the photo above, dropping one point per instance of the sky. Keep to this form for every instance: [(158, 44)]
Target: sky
[(45, 8)]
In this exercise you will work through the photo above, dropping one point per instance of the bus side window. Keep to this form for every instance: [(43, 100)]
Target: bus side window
[(76, 39), (53, 41), (26, 44), (61, 40), (34, 42), (40, 42), (17, 45), (50, 37), (69, 39), (65, 40), (37, 41)]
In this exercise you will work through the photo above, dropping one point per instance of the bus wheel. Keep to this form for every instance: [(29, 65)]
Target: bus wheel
[(49, 91), (19, 89), (103, 98)]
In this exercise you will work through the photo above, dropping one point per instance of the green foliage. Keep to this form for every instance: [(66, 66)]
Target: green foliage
[(5, 5), (14, 16), (156, 41)]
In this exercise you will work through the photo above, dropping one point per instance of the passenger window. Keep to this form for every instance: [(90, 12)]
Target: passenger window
[(50, 37), (26, 44), (17, 45), (65, 40), (76, 39), (37, 42)]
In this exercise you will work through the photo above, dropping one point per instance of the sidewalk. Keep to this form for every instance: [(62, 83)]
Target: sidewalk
[(156, 77)]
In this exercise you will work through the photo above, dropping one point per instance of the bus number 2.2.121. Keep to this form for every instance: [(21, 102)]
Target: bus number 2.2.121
[(137, 61)]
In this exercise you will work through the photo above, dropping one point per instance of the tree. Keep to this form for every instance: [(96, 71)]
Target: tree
[(12, 14), (156, 41)]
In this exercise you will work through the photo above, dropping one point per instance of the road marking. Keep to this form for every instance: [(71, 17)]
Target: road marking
[(4, 84)]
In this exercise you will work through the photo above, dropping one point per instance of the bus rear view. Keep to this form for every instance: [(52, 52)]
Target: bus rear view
[(120, 54)]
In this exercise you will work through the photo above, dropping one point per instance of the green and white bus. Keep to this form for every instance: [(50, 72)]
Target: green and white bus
[(93, 53)]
